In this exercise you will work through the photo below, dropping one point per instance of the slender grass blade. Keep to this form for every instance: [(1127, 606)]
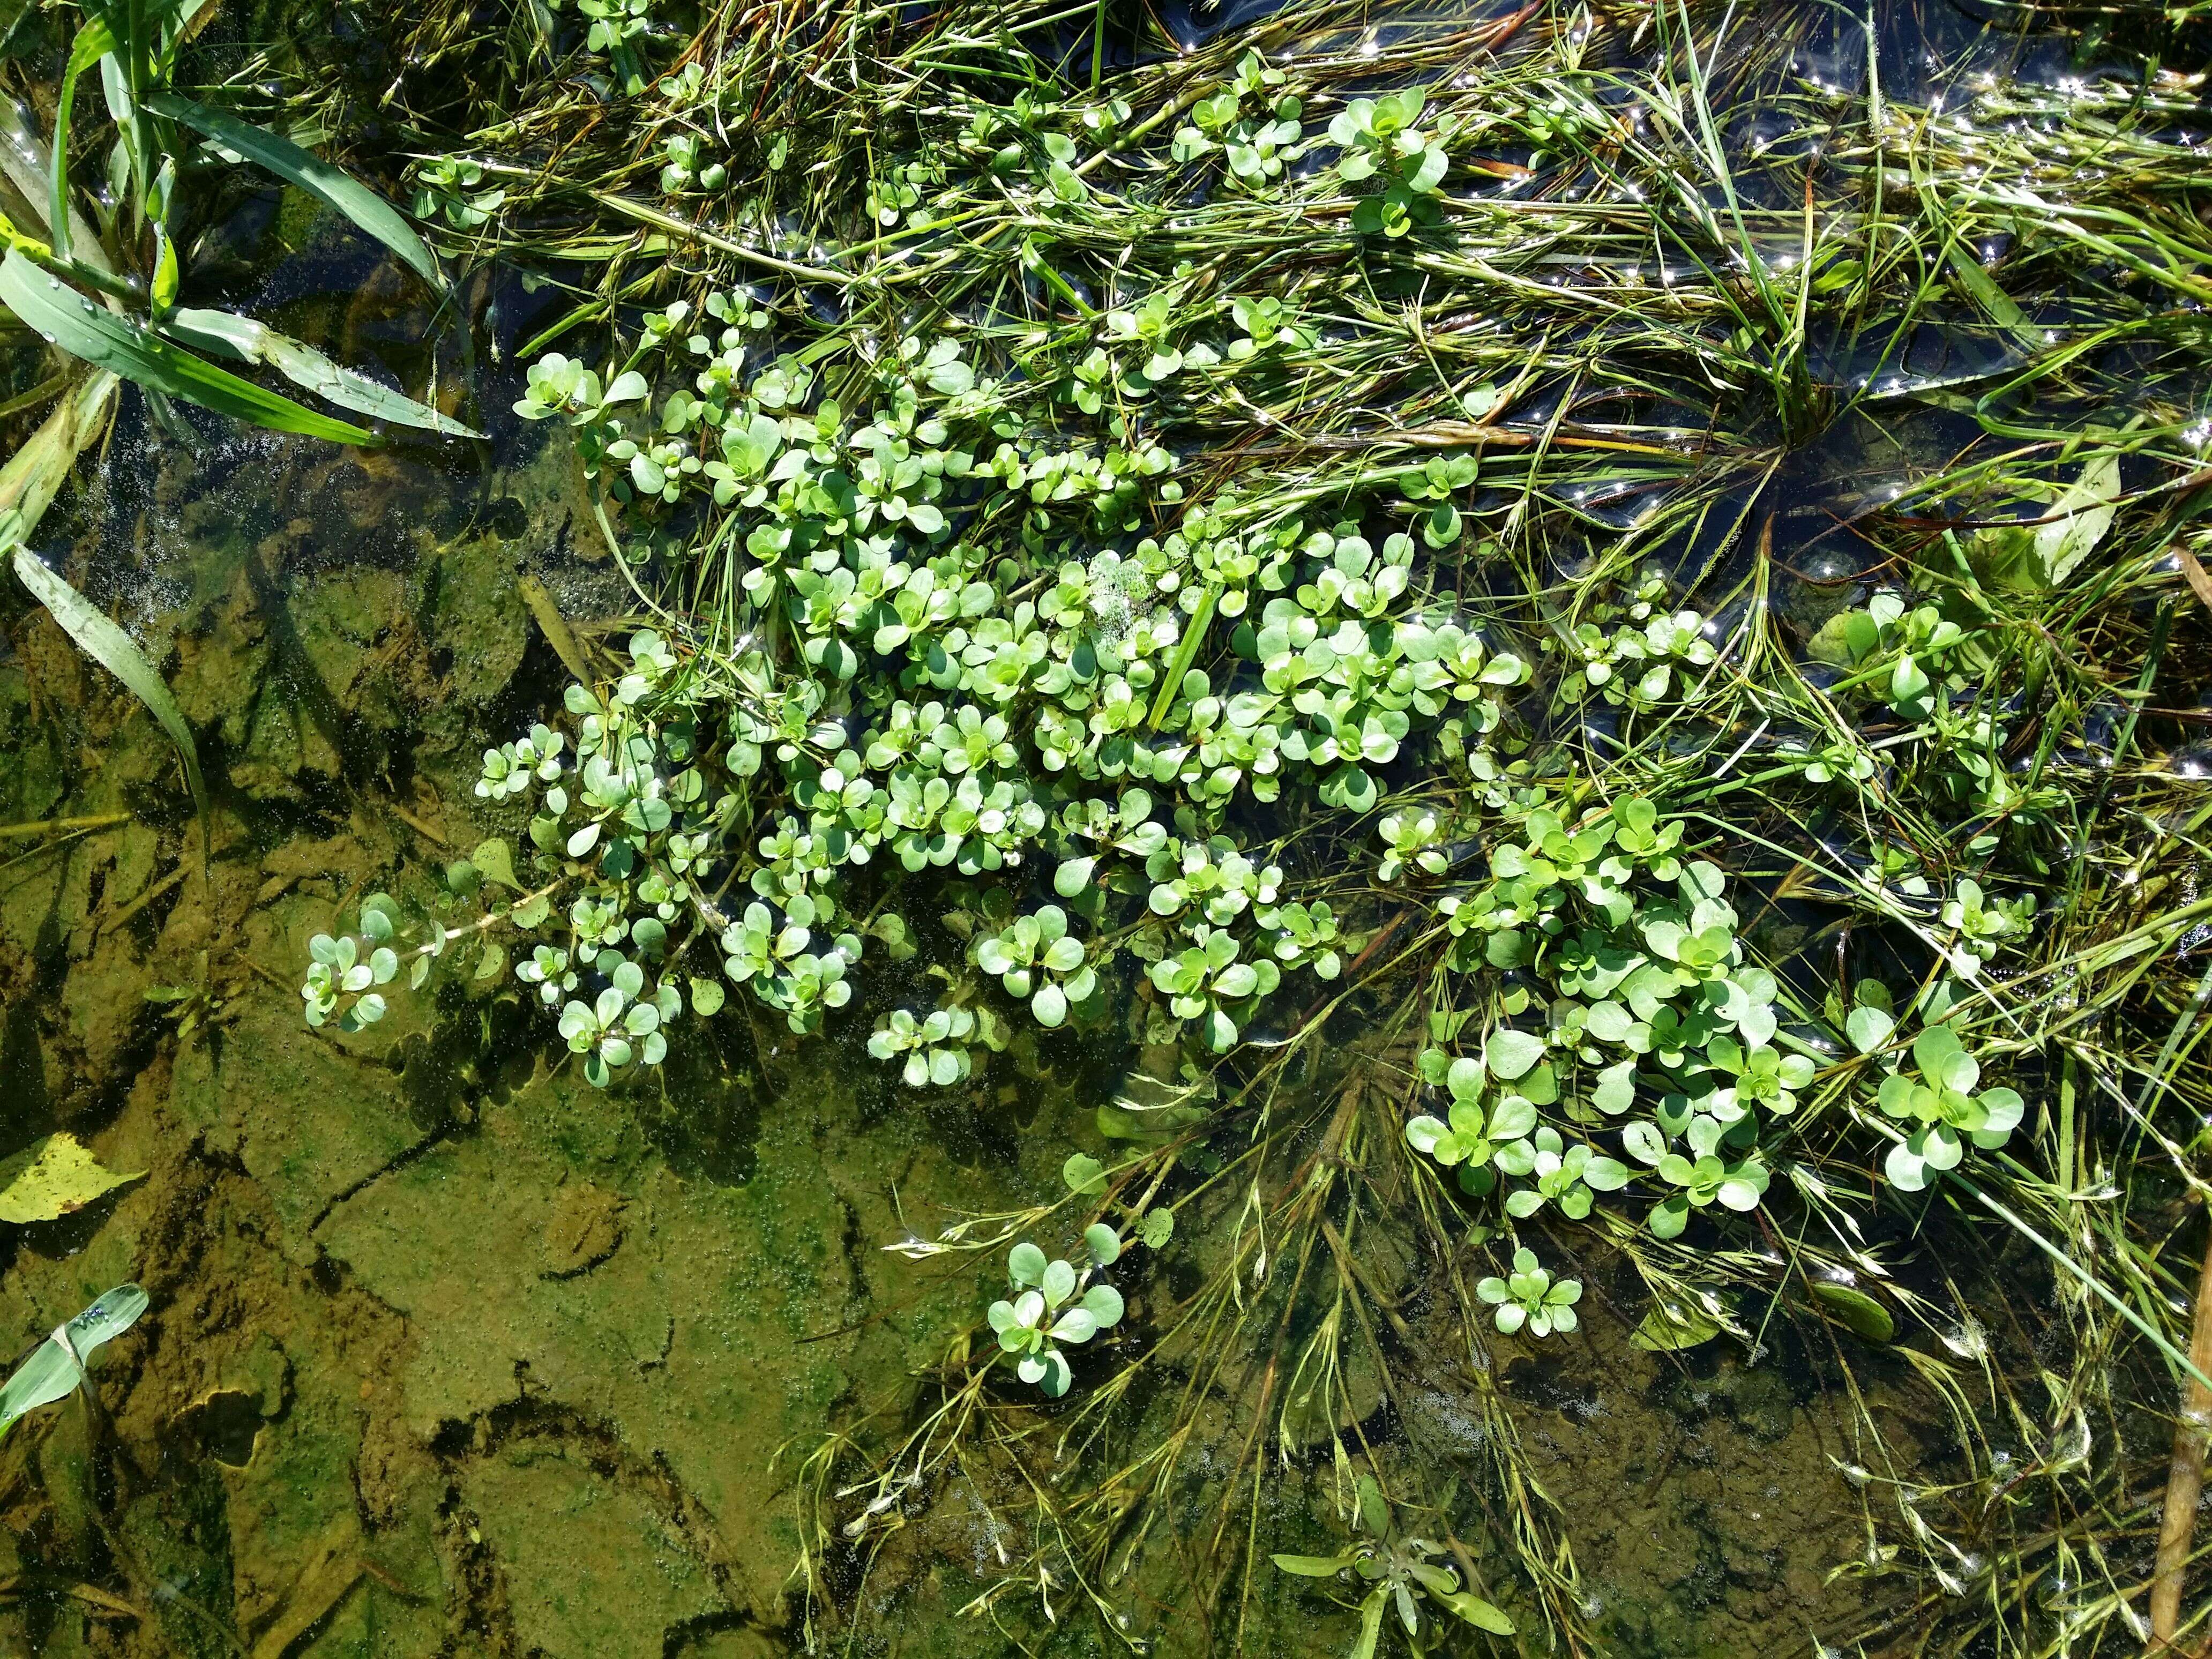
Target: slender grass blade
[(106, 341), (313, 174), (249, 342), (115, 651)]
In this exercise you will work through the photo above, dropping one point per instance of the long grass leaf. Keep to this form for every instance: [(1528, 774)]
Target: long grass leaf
[(72, 322), (251, 341), (35, 473), (333, 185), (115, 651), (25, 159), (94, 42)]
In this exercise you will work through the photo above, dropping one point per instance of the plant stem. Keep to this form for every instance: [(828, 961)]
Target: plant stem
[(2184, 1480)]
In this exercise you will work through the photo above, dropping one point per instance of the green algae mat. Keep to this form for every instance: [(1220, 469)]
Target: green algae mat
[(1172, 828)]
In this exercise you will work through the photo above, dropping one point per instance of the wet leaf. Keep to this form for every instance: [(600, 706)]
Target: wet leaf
[(1982, 288), (331, 185), (54, 1177), (1671, 1327), (229, 335), (115, 651), (1370, 1624), (1478, 1612), (99, 337), (1856, 1309), (53, 1371), (1512, 1053), (495, 862), (1123, 1120), (1869, 1027), (2039, 555), (1084, 1173)]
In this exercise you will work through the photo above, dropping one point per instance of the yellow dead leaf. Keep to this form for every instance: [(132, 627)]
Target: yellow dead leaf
[(51, 1177)]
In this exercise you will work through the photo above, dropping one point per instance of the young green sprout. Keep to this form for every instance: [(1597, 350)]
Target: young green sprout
[(1530, 1299)]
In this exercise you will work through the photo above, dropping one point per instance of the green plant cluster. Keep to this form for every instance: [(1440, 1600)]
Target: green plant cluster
[(1210, 559), (1055, 1302), (1652, 1015), (975, 627), (1530, 1299), (1100, 692), (1399, 1577)]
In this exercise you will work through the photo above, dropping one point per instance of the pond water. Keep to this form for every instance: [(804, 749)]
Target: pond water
[(450, 1354)]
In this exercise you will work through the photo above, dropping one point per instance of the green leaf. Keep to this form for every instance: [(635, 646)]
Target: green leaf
[(115, 651), (36, 471), (1856, 1309), (333, 185), (1084, 1173), (1867, 1027), (94, 41), (1121, 1119), (1671, 1327), (1315, 1566), (1510, 1053), (1982, 288), (1478, 1612), (52, 1177), (99, 337), (1156, 1228), (495, 862), (246, 341), (1371, 1622), (54, 1370), (1025, 1264)]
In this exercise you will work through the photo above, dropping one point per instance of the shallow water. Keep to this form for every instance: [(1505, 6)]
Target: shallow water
[(450, 1353)]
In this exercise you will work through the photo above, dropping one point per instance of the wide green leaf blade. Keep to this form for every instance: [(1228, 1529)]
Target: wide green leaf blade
[(313, 174), (1479, 1613), (231, 335), (115, 651), (57, 1365), (79, 327)]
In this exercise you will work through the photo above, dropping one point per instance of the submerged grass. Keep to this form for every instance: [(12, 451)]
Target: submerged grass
[(1811, 404)]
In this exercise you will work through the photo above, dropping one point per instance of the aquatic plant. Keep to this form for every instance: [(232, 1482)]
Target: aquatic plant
[(1404, 1577), (57, 1367), (1531, 1299), (1055, 1302), (1533, 702), (45, 284), (113, 650)]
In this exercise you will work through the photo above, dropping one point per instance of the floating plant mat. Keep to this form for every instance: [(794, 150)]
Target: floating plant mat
[(1231, 831)]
